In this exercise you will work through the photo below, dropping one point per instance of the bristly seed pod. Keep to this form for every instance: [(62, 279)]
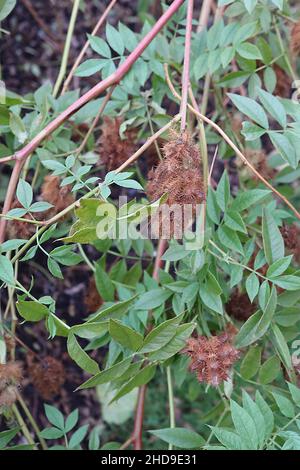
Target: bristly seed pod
[(114, 151), (212, 358), (47, 375), (178, 175), (10, 379)]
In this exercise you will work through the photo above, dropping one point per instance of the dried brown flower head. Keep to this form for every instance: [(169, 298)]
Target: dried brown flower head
[(212, 358), (10, 379), (113, 150), (295, 39), (59, 197), (92, 299), (239, 306), (290, 235), (18, 228), (179, 176), (47, 375)]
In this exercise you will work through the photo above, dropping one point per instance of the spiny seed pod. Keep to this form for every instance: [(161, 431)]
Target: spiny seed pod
[(212, 358), (113, 150), (10, 379), (47, 375), (179, 176), (295, 39), (239, 306), (59, 197)]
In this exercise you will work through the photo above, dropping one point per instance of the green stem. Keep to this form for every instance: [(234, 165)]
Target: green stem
[(86, 259), (57, 319), (23, 426), (284, 52), (272, 440), (171, 402), (32, 422), (217, 425), (64, 61)]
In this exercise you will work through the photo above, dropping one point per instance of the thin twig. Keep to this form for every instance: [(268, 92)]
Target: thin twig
[(23, 426), (139, 419), (233, 146), (203, 144), (171, 401), (212, 165), (85, 47), (32, 422), (204, 15), (186, 64), (10, 195), (65, 56)]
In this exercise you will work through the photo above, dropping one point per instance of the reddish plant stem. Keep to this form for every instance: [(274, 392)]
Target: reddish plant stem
[(10, 195), (186, 64), (139, 419), (139, 412), (85, 47), (113, 79)]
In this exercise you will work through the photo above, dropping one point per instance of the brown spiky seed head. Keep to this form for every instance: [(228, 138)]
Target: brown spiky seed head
[(113, 149), (178, 176), (10, 379), (212, 358), (47, 375)]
